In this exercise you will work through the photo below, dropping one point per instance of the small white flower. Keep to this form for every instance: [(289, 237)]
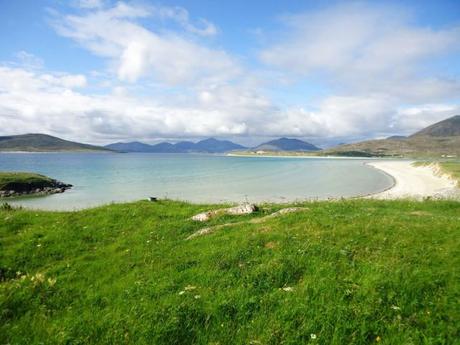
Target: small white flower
[(313, 336), (288, 289), (39, 245)]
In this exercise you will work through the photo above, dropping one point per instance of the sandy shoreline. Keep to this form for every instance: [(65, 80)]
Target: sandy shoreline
[(415, 182)]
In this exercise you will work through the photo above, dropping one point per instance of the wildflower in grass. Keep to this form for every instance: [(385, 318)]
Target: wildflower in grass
[(39, 245), (38, 278), (313, 336), (288, 289)]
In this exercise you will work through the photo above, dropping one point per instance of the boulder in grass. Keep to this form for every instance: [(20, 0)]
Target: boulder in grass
[(245, 208), (203, 217), (234, 211)]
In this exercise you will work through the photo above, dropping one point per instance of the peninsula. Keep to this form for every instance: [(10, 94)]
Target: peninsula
[(14, 184)]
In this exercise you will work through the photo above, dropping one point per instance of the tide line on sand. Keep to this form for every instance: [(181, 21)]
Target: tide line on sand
[(415, 182)]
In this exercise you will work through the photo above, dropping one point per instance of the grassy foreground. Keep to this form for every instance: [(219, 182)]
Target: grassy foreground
[(346, 272)]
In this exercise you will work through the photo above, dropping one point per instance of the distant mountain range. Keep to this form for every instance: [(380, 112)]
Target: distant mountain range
[(438, 140), (48, 143), (210, 145), (285, 144), (213, 146), (43, 143)]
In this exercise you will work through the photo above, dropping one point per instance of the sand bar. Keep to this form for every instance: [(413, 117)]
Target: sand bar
[(416, 182)]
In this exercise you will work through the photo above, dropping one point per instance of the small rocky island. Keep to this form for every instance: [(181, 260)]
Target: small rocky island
[(14, 184)]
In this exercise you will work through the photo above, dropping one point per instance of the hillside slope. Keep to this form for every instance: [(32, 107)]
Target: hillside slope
[(441, 139), (43, 143), (447, 128)]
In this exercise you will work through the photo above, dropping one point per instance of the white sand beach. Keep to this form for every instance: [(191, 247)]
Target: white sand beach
[(415, 182)]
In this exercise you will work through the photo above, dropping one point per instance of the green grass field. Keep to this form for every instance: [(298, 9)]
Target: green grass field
[(345, 272)]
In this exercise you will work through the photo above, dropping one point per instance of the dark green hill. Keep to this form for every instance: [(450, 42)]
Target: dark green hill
[(43, 143), (446, 128), (134, 146), (286, 144)]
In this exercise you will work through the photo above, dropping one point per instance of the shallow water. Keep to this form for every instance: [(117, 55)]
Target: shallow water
[(101, 178)]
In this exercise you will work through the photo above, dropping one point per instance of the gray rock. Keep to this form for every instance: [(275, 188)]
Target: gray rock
[(245, 208), (204, 216)]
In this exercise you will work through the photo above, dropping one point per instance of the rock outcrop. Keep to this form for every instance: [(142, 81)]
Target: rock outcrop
[(245, 208), (15, 190), (212, 229)]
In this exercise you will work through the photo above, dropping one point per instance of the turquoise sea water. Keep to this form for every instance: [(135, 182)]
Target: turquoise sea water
[(105, 177)]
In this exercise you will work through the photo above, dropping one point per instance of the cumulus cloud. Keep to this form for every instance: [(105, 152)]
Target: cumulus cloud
[(39, 102), (137, 52)]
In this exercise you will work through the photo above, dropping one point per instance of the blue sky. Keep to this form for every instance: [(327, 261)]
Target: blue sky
[(327, 71)]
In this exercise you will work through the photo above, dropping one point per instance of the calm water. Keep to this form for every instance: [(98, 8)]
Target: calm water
[(104, 178)]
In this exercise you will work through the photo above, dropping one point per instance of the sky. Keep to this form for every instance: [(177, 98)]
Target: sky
[(102, 71)]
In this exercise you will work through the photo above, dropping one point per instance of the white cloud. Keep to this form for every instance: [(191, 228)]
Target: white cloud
[(412, 119), (181, 16), (357, 40), (39, 102), (137, 52), (29, 60)]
